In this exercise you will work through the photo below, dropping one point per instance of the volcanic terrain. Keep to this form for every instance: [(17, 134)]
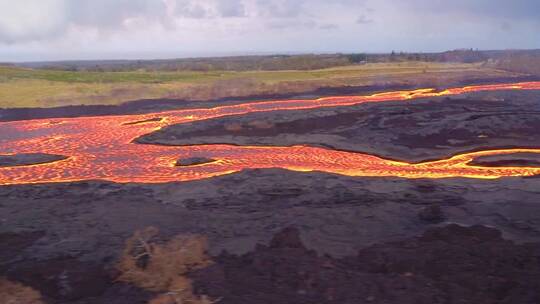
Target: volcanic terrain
[(420, 165)]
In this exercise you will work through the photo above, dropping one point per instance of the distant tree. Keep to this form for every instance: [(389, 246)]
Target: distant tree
[(357, 58), (393, 56)]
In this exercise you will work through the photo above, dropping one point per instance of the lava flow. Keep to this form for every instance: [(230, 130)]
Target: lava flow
[(103, 148)]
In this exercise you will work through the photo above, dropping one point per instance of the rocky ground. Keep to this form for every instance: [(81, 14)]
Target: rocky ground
[(64, 239), (82, 227), (417, 130), (453, 264), (28, 159)]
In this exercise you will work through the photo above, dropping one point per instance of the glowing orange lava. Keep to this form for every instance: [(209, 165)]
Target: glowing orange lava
[(102, 147)]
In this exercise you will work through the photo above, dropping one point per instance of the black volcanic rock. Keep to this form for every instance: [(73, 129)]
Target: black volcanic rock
[(287, 238), (192, 161), (453, 264), (431, 213), (508, 160), (64, 278), (416, 131), (28, 159)]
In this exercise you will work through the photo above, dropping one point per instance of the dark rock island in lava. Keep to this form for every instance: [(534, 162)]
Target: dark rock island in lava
[(27, 159), (193, 161), (424, 129)]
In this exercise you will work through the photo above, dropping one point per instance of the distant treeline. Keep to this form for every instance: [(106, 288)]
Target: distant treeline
[(297, 62)]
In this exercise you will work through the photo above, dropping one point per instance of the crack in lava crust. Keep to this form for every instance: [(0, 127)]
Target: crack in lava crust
[(103, 148)]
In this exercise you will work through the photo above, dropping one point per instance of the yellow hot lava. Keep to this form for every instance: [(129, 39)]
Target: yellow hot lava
[(102, 147)]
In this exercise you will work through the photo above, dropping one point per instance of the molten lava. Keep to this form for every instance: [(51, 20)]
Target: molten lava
[(103, 148)]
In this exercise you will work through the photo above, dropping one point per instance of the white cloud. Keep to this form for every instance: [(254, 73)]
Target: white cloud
[(31, 19), (232, 8), (363, 20), (41, 29)]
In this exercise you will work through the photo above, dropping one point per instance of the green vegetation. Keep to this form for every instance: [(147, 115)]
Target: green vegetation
[(304, 62), (12, 73), (25, 87), (239, 63)]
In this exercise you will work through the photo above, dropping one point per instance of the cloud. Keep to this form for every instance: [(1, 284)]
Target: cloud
[(191, 9), (28, 20), (232, 8), (291, 24), (529, 9), (118, 26), (363, 19), (505, 26), (31, 19), (280, 8), (328, 26), (107, 14)]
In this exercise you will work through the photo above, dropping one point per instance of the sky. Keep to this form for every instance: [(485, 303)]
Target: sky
[(41, 30)]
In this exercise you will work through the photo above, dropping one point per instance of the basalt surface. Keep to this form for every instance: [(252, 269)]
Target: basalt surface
[(337, 214), (26, 159), (453, 264), (418, 130)]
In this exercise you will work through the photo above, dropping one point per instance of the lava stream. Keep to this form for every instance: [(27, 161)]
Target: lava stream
[(103, 148)]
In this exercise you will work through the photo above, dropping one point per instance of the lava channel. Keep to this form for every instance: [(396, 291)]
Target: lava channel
[(102, 148)]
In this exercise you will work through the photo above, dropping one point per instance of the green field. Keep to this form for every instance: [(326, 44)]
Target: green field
[(21, 87)]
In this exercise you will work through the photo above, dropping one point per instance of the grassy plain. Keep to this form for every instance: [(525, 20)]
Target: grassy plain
[(23, 87)]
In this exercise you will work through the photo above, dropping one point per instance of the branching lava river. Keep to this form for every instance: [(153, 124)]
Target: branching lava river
[(102, 148)]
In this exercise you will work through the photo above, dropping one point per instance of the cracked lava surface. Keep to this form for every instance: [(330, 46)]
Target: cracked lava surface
[(102, 148)]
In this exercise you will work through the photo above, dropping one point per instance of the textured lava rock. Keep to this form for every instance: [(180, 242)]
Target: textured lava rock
[(192, 161), (431, 213), (453, 264)]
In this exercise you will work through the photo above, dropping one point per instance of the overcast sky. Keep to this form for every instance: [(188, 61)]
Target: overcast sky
[(114, 29)]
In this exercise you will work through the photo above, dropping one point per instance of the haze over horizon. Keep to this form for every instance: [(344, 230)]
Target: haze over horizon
[(41, 30)]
